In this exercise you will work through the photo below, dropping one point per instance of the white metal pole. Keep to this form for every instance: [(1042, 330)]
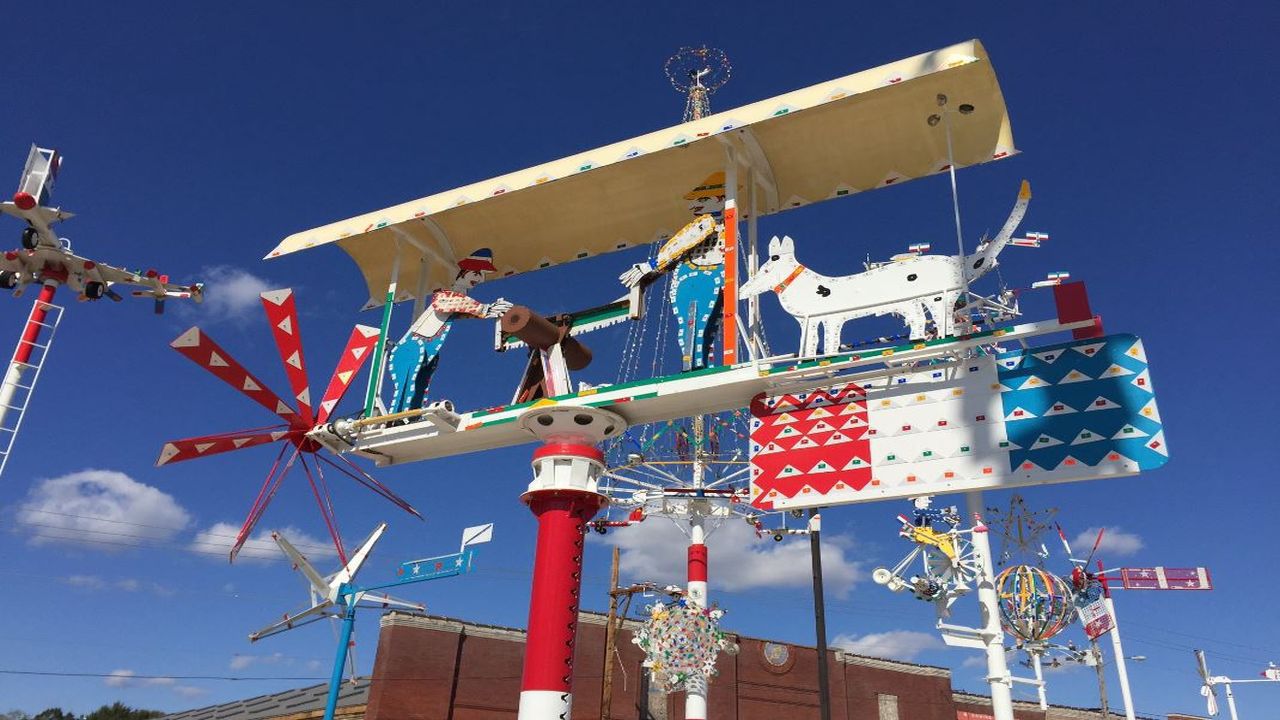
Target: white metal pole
[(992, 635), (695, 697), (1118, 649), (1044, 700), (1231, 702)]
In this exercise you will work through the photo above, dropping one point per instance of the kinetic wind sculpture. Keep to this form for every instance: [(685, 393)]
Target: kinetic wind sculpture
[(698, 72), (947, 564), (1097, 611), (338, 596), (294, 436), (681, 641), (951, 410), (1035, 606), (1021, 530), (695, 472), (47, 260), (1209, 688)]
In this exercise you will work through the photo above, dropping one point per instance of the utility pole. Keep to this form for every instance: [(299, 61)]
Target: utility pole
[(1100, 668), (613, 625), (819, 614), (610, 639)]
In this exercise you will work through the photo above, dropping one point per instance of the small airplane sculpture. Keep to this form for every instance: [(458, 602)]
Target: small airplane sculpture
[(45, 259)]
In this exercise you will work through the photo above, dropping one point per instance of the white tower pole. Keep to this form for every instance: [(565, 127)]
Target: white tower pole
[(695, 697), (992, 636), (1117, 648)]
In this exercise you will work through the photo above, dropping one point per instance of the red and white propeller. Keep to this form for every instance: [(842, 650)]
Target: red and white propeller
[(295, 445)]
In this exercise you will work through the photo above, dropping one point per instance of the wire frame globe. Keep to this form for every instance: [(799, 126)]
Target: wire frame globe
[(1035, 604), (704, 67)]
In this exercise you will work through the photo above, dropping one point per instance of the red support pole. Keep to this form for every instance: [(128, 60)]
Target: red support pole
[(563, 496), (35, 323), (553, 606)]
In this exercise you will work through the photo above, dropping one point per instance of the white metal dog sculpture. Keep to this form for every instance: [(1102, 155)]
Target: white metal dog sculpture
[(909, 285)]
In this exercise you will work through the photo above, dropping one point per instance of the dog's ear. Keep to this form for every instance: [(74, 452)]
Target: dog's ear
[(787, 246), (774, 245)]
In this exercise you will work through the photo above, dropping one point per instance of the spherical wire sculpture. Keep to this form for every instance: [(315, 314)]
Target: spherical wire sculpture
[(1035, 605), (698, 72)]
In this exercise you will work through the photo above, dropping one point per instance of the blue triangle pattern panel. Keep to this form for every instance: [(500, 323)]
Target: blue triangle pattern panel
[(1080, 402)]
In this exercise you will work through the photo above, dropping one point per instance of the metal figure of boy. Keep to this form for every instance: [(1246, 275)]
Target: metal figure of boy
[(416, 356), (695, 258)]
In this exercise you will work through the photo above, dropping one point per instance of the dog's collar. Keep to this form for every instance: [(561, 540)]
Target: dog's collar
[(788, 280)]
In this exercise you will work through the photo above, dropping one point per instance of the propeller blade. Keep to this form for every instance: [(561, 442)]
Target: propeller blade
[(1203, 666), (352, 567), (289, 622), (198, 447), (303, 565), (199, 348), (359, 345), (1096, 544), (282, 313), (381, 600), (1066, 545)]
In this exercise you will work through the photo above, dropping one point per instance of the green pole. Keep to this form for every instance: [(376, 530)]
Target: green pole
[(376, 371)]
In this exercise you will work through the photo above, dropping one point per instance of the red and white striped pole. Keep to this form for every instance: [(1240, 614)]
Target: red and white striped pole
[(695, 697), (26, 346), (564, 497)]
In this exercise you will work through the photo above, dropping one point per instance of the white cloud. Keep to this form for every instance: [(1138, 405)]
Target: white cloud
[(216, 541), (91, 582), (1115, 541), (240, 662), (128, 678), (656, 550), (189, 691), (102, 508), (895, 644), (231, 293), (120, 678)]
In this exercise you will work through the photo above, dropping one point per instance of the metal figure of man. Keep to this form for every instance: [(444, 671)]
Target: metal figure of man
[(416, 356), (695, 258)]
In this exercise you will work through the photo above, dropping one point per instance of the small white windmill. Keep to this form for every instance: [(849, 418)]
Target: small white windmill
[(1210, 692), (339, 596)]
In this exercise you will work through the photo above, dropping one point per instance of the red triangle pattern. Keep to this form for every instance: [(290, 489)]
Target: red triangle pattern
[(802, 425)]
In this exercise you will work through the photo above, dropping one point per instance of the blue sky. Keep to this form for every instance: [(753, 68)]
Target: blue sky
[(197, 137)]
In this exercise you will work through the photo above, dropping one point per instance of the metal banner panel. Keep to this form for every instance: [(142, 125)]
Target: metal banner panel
[(1072, 411), (1163, 578), (1096, 620), (436, 567)]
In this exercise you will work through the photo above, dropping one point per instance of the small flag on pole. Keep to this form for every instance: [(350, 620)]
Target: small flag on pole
[(1053, 278), (918, 248), (1032, 240)]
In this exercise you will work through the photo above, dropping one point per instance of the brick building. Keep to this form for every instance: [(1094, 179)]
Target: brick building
[(431, 668)]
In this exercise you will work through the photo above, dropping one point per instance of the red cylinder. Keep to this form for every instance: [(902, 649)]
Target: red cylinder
[(697, 563), (557, 584), (31, 332)]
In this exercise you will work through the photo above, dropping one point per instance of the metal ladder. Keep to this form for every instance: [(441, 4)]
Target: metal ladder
[(27, 374)]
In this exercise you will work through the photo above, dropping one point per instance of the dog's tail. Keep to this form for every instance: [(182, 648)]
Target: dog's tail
[(985, 257)]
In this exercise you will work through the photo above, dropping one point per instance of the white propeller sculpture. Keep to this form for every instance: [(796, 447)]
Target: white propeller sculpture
[(326, 592)]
